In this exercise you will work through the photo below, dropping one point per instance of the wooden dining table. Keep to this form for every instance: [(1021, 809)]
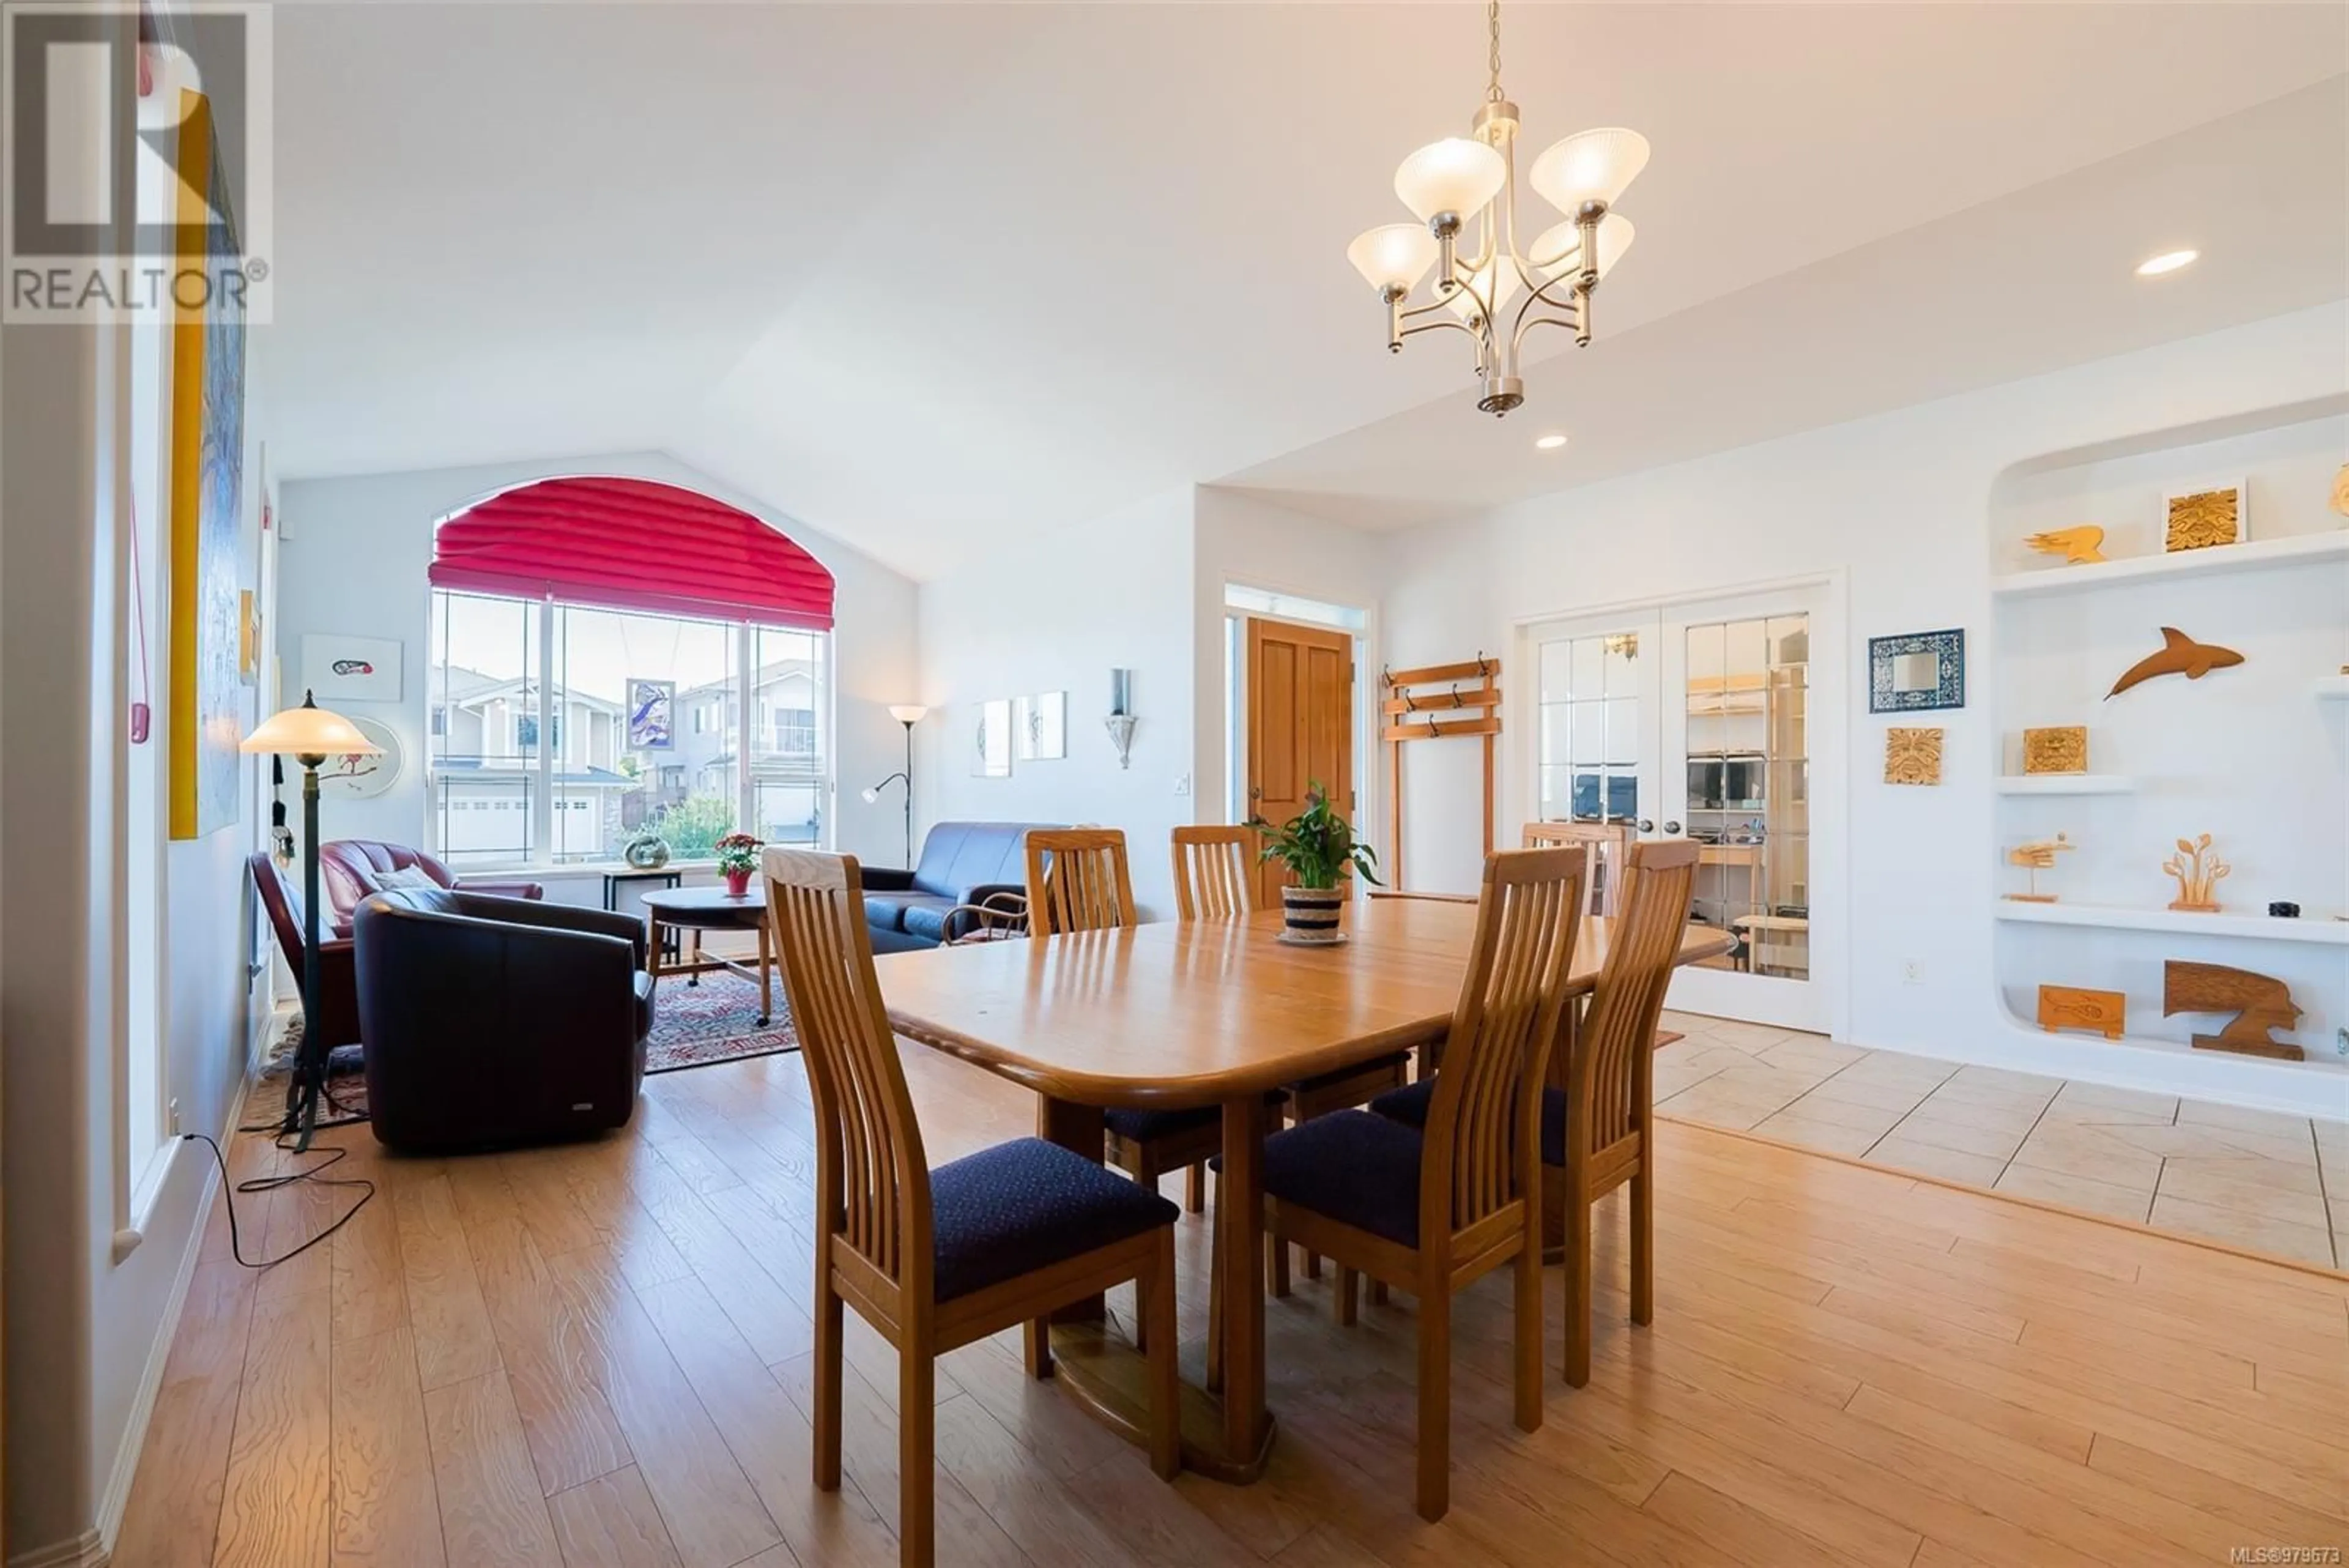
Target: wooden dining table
[(1172, 1016)]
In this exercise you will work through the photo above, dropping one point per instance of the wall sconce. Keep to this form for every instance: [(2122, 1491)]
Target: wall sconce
[(1121, 720)]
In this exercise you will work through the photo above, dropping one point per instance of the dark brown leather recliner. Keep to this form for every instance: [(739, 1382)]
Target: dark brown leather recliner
[(351, 868), (492, 1021), (338, 1003)]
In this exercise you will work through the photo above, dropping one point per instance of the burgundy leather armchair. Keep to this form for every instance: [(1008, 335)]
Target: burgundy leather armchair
[(338, 1006), (353, 867), (496, 1021)]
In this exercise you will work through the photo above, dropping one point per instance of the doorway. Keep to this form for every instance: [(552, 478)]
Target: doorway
[(1694, 719)]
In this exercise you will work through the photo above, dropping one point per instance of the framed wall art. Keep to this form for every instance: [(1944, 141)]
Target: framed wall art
[(991, 751), (1916, 672), (1912, 756), (1040, 727), (2205, 517), (652, 715), (337, 669)]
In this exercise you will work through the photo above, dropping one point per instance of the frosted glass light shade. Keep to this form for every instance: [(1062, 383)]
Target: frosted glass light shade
[(1501, 275), (1559, 249), (308, 731), (908, 712), (1454, 175), (1589, 166), (1396, 255)]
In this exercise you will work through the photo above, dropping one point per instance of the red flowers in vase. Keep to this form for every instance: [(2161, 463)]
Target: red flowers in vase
[(738, 857)]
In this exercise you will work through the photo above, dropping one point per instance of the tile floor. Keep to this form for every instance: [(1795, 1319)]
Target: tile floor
[(2272, 1183)]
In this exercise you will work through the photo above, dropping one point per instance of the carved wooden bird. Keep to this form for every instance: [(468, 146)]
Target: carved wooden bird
[(2077, 545), (2179, 655)]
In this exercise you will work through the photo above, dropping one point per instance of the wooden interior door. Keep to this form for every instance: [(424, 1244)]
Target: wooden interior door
[(1301, 725)]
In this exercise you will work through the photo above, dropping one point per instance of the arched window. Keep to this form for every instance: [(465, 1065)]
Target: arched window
[(614, 656)]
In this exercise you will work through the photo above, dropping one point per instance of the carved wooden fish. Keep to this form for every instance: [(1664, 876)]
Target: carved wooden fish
[(2179, 655), (2077, 545)]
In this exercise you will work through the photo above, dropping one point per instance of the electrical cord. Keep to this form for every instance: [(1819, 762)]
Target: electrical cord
[(272, 1183)]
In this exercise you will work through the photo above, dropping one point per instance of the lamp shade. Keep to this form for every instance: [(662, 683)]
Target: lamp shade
[(908, 712), (871, 795), (1589, 166), (1393, 256), (1454, 175), (1559, 250), (309, 731), (1484, 293)]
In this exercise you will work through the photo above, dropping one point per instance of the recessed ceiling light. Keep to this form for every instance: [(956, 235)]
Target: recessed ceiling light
[(1551, 443), (2168, 260)]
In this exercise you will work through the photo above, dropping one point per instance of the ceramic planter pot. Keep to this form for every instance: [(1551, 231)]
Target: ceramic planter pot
[(738, 884), (1312, 916)]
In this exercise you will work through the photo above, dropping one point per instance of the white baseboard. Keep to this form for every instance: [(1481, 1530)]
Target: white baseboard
[(83, 1551), (96, 1545)]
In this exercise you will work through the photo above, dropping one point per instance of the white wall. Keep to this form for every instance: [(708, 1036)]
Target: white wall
[(354, 556), (1901, 503), (1059, 614), (85, 1341)]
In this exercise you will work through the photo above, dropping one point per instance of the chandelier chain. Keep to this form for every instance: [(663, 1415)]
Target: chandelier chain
[(1493, 26)]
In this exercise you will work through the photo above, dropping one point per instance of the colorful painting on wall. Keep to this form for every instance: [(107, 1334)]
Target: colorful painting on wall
[(651, 704), (206, 514)]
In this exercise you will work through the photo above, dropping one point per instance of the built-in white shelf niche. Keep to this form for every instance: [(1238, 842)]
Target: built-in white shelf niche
[(2254, 754)]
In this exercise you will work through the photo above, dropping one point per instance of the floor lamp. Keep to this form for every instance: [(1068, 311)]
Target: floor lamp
[(309, 734), (908, 714)]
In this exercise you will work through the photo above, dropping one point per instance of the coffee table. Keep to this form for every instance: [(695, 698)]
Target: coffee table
[(698, 909)]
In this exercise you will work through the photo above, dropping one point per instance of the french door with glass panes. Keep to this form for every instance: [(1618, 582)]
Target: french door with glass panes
[(1694, 722)]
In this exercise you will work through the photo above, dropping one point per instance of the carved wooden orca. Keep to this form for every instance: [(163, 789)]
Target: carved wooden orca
[(2179, 655)]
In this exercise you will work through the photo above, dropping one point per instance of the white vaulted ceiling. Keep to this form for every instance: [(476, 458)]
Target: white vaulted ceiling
[(932, 276)]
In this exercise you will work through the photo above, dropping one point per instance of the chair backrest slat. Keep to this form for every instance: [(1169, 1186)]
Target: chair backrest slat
[(1484, 1142), (1614, 1049), (1212, 873), (1078, 881), (1609, 844), (873, 1187)]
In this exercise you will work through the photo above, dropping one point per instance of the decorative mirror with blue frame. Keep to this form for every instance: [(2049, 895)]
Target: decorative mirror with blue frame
[(1916, 670)]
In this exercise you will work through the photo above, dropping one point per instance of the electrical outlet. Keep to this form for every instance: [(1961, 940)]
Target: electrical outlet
[(2341, 1041), (1912, 973), (172, 1111), (1183, 784)]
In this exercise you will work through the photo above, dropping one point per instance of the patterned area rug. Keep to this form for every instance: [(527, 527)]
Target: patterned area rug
[(717, 1020)]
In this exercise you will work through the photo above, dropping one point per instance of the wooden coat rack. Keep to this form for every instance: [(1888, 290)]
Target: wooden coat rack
[(1437, 702)]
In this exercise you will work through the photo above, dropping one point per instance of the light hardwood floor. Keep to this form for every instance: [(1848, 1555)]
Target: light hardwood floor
[(599, 1355)]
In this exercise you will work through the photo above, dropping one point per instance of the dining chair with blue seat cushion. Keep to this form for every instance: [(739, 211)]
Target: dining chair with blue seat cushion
[(935, 1259), (1027, 1205), (1610, 1075), (1408, 1106), (1432, 1211)]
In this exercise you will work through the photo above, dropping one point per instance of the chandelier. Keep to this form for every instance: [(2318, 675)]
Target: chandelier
[(1473, 180)]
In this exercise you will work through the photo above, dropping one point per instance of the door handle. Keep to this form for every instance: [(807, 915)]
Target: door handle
[(1647, 825), (1672, 828)]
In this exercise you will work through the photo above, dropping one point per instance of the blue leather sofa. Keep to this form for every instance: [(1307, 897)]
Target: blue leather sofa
[(962, 863)]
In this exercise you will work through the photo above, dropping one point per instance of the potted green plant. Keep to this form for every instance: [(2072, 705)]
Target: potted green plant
[(1320, 850), (738, 857)]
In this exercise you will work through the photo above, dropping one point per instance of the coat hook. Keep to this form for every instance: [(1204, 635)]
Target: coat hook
[(1410, 703), (1483, 670), (1431, 728), (1455, 694)]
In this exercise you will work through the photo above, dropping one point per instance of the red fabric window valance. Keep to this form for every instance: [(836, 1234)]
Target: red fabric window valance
[(632, 544)]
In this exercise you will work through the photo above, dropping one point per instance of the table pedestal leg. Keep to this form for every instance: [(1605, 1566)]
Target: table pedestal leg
[(1225, 1439)]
